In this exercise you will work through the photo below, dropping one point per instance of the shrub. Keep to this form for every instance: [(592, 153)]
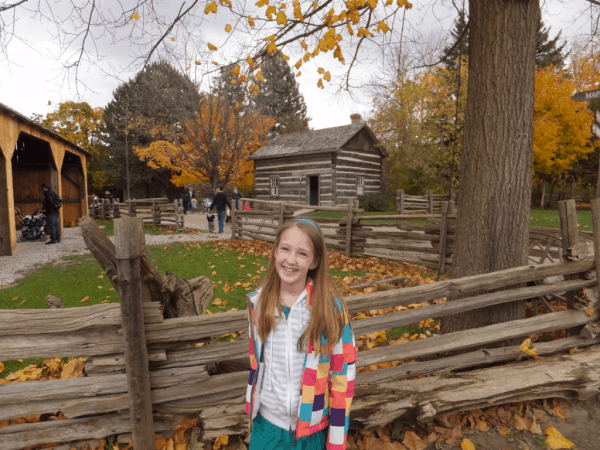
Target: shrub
[(383, 201)]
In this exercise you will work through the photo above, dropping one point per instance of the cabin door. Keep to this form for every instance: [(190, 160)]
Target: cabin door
[(312, 185)]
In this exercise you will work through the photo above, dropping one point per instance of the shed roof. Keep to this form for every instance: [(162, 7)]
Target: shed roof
[(313, 141), (17, 115)]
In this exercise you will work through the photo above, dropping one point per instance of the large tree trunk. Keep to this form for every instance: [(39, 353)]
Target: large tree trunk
[(497, 157)]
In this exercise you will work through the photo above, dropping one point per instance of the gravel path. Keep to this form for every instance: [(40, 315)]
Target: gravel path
[(33, 254)]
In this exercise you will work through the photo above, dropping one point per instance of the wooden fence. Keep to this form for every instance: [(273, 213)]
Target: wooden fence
[(138, 358), (157, 211), (428, 203), (361, 236)]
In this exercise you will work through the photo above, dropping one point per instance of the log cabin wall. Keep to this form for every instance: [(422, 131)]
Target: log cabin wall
[(21, 181), (293, 174), (357, 157), (320, 167)]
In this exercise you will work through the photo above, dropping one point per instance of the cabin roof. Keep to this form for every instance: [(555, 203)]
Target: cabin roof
[(313, 141), (20, 117)]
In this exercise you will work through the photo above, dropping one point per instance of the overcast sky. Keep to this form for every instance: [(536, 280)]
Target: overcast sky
[(31, 77)]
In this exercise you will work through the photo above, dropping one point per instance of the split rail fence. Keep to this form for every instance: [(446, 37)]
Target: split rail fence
[(156, 211), (428, 203), (360, 236), (144, 372), (387, 236)]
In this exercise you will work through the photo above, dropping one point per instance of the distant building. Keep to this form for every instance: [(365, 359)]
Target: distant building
[(29, 156), (320, 167)]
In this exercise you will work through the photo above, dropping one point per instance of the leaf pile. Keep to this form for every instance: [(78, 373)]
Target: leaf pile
[(451, 429), (50, 369)]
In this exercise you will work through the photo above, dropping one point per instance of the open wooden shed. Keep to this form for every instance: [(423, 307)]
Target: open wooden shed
[(320, 167), (29, 156)]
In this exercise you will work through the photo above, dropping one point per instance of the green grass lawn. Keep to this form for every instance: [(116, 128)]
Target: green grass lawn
[(546, 218), (549, 218)]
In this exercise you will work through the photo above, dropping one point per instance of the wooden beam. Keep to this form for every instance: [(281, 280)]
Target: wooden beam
[(414, 316), (130, 245), (475, 337), (47, 321)]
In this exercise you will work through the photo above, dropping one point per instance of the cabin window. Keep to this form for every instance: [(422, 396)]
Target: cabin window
[(360, 185), (274, 182)]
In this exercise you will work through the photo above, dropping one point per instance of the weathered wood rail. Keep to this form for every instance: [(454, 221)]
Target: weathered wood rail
[(157, 211), (371, 236), (209, 381), (429, 203)]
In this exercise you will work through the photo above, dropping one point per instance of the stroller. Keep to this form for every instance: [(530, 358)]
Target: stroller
[(206, 203), (34, 226)]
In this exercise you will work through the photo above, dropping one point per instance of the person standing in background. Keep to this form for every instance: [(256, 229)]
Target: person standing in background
[(222, 204), (51, 205), (236, 196)]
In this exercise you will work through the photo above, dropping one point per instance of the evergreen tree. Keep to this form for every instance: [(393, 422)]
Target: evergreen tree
[(462, 48), (280, 98), (547, 52), (152, 106)]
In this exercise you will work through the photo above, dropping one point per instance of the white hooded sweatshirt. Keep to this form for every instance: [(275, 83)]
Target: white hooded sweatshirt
[(283, 365)]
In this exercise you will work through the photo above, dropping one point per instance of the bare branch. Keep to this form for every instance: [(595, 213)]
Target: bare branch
[(14, 5)]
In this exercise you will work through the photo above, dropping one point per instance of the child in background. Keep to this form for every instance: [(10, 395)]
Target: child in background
[(302, 349), (211, 222), (246, 206)]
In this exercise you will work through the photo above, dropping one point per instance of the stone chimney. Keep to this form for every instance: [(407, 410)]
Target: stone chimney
[(356, 119)]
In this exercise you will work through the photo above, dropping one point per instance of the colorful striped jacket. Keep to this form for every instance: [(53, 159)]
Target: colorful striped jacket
[(327, 382)]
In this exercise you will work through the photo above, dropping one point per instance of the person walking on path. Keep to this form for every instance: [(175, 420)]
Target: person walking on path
[(185, 198), (236, 196), (51, 205), (302, 348), (222, 204)]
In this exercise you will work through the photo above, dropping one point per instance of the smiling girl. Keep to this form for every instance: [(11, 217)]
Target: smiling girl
[(302, 348)]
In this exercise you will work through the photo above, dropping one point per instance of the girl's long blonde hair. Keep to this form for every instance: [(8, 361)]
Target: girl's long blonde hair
[(326, 318)]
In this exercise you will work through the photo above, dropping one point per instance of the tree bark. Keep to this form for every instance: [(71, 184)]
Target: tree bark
[(496, 166)]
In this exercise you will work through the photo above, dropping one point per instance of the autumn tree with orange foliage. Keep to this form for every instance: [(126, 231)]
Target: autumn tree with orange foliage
[(561, 134), (81, 124), (214, 147)]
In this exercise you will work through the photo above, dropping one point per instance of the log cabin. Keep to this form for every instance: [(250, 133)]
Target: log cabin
[(30, 155), (320, 167)]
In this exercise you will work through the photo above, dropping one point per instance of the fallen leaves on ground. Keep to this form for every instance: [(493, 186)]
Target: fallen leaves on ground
[(528, 348), (467, 444), (555, 440)]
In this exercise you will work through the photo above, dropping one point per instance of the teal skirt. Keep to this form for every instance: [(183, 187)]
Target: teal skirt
[(266, 436)]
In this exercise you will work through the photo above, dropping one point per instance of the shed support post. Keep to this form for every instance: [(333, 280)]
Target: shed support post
[(129, 245)]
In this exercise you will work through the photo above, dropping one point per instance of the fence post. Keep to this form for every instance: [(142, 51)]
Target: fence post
[(569, 234), (154, 221), (443, 232), (103, 211), (349, 227), (430, 202), (130, 244), (131, 209), (401, 193), (281, 208), (233, 221)]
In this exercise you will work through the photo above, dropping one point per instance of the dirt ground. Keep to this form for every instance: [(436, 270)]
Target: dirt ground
[(581, 426)]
